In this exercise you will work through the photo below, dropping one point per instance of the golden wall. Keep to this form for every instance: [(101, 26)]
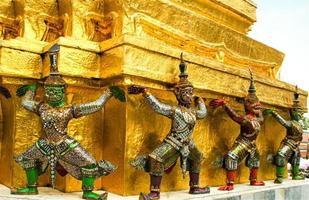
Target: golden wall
[(127, 42)]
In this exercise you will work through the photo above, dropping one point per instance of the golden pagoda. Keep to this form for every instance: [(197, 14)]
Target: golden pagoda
[(127, 42)]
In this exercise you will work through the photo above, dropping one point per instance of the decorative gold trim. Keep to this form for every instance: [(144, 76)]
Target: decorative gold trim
[(191, 44), (9, 28)]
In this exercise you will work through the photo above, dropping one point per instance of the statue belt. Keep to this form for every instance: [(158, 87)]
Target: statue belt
[(177, 142), (247, 144), (60, 148)]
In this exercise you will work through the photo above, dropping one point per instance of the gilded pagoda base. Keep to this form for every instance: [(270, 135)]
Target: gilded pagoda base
[(130, 42)]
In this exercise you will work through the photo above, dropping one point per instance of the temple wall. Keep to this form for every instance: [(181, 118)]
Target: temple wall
[(129, 42)]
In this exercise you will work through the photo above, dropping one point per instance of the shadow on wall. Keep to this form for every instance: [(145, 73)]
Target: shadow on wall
[(1, 126)]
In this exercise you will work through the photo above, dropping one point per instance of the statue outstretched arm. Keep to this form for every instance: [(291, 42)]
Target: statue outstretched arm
[(260, 118), (157, 106), (233, 114), (201, 112), (28, 93), (83, 109), (230, 111), (281, 120)]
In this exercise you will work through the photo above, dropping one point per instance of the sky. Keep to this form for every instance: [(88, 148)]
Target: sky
[(284, 25)]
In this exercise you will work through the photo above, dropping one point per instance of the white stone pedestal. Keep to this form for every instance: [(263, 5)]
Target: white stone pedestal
[(289, 190)]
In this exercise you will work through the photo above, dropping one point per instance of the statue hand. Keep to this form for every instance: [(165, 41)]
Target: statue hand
[(268, 111), (217, 102), (21, 91), (136, 89), (118, 93), (198, 99), (5, 92)]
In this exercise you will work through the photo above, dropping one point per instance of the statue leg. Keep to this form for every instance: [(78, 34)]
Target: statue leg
[(156, 172), (237, 153), (253, 162), (295, 166), (80, 164), (194, 164), (231, 167), (34, 163), (88, 178), (280, 166), (32, 182), (283, 154), (162, 158)]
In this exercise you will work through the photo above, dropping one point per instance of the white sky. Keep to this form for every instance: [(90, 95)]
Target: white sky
[(284, 25)]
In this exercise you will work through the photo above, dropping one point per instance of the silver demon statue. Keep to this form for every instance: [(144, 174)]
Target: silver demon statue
[(178, 142), (55, 148)]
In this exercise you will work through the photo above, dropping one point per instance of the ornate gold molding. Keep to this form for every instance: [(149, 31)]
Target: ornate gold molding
[(218, 51), (55, 27), (238, 15), (99, 27), (9, 28)]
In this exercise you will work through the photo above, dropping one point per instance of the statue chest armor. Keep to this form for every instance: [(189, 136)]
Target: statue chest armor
[(55, 122), (183, 123), (250, 127)]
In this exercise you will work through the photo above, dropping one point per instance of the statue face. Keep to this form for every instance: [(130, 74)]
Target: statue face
[(55, 95), (253, 106), (184, 95), (297, 115)]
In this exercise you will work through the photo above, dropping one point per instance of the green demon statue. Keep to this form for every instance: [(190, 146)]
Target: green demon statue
[(55, 147), (289, 148), (178, 142)]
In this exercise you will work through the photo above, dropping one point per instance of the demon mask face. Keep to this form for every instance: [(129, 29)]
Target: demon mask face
[(184, 95), (253, 106), (55, 95)]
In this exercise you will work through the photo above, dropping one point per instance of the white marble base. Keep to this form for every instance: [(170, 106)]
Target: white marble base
[(289, 190)]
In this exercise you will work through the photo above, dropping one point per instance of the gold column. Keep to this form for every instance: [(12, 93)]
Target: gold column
[(138, 42)]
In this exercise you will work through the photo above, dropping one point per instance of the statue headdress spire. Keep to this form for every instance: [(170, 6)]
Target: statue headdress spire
[(251, 91), (54, 78), (296, 102), (183, 76), (252, 86)]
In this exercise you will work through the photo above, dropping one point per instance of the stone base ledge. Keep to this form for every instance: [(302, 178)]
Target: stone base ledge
[(289, 190)]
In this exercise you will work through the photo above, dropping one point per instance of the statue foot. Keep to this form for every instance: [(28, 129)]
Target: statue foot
[(298, 177), (198, 190), (89, 195), (257, 183), (25, 191), (227, 187), (150, 196), (278, 180)]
